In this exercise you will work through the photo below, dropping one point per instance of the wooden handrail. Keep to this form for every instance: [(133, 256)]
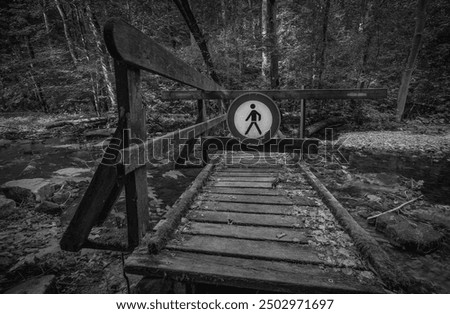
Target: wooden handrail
[(134, 153), (366, 93), (128, 44)]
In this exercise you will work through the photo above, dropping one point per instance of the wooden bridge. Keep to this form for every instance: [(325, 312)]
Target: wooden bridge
[(253, 218)]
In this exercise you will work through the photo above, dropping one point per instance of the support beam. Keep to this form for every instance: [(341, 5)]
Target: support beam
[(133, 156), (128, 44), (367, 93)]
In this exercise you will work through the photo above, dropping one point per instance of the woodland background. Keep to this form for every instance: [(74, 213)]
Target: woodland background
[(53, 58)]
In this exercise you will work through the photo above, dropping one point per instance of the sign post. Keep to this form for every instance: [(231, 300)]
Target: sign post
[(253, 118)]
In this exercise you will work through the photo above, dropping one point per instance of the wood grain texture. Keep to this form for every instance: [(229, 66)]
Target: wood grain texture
[(247, 232), (126, 43), (249, 199), (246, 208), (245, 219), (247, 273), (366, 93), (265, 250)]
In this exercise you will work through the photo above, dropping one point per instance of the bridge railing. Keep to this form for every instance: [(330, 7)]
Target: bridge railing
[(124, 161)]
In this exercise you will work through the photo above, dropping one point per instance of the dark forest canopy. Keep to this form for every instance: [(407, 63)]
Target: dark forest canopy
[(53, 57)]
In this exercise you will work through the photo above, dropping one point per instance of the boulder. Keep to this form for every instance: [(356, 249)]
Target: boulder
[(6, 204), (36, 285), (60, 197), (26, 190), (49, 208), (72, 172), (417, 236)]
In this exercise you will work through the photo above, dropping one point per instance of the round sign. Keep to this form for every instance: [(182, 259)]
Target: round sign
[(253, 118)]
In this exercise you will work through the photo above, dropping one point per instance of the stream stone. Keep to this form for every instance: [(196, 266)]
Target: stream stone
[(6, 206), (403, 233), (72, 172), (49, 208), (26, 190)]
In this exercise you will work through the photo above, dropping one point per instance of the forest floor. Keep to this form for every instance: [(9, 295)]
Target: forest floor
[(30, 233)]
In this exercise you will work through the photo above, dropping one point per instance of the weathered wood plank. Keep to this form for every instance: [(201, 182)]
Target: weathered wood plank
[(247, 208), (130, 107), (364, 93), (176, 212), (249, 170), (157, 146), (247, 232), (275, 145), (247, 273), (245, 219), (249, 199), (124, 42), (226, 174), (264, 185), (236, 191), (244, 179), (266, 250), (103, 190)]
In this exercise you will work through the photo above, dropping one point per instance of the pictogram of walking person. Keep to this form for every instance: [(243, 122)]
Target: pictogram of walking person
[(254, 116)]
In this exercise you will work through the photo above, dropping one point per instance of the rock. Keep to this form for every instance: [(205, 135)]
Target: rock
[(4, 143), (26, 190), (29, 169), (49, 208), (60, 197), (417, 237), (6, 205), (72, 172), (36, 285)]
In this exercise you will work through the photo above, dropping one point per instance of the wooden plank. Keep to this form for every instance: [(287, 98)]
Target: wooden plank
[(103, 190), (126, 43), (247, 232), (131, 108), (176, 212), (363, 93), (131, 156), (236, 191), (245, 219), (249, 199), (244, 179), (190, 144), (275, 145), (247, 208), (226, 174), (249, 170), (247, 273), (266, 250), (264, 185)]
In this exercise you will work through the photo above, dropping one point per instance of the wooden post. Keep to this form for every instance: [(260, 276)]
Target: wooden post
[(190, 144), (302, 118), (131, 108)]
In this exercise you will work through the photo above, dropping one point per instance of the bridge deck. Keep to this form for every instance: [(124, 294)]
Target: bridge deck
[(242, 232)]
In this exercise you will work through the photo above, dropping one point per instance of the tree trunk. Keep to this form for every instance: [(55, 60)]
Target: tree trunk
[(264, 52), (39, 93), (326, 13), (186, 12), (66, 32), (272, 30), (102, 59), (46, 24), (410, 64)]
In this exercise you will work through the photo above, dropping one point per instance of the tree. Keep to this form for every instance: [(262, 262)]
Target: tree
[(411, 62), (186, 12)]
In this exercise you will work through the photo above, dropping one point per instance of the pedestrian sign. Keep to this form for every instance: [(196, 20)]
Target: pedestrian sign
[(253, 118)]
